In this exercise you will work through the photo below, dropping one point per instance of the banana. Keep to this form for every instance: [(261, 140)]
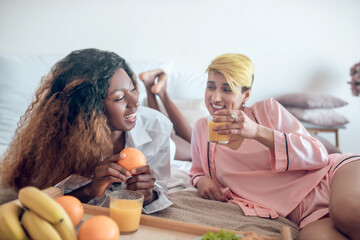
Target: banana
[(37, 227), (41, 203), (10, 226), (66, 228)]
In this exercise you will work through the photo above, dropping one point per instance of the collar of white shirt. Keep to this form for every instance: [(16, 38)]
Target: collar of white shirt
[(138, 135)]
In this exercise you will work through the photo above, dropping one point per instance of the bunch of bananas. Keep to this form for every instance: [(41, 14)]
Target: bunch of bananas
[(38, 217)]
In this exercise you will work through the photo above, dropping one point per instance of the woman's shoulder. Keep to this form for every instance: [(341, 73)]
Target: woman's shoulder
[(200, 123), (200, 127), (268, 101), (266, 105), (264, 111)]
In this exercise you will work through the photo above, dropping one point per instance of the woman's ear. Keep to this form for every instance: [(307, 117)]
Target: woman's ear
[(247, 95)]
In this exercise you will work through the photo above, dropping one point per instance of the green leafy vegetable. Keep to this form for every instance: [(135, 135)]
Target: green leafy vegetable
[(222, 235)]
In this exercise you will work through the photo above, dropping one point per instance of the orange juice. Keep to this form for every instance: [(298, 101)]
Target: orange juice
[(126, 213), (214, 136)]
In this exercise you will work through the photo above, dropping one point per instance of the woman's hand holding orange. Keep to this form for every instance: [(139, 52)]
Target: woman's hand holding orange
[(106, 173), (207, 189), (142, 180)]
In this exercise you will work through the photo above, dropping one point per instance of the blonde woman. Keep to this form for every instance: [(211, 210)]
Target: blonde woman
[(271, 166)]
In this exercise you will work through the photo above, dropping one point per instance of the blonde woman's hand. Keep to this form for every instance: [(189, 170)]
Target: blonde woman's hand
[(241, 125), (207, 189)]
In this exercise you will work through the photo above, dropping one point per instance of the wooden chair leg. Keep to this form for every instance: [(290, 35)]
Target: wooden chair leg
[(337, 138)]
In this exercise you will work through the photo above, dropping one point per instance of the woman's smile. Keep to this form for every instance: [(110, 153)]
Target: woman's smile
[(131, 117), (216, 107)]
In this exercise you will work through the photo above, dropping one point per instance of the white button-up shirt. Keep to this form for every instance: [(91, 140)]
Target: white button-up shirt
[(151, 135)]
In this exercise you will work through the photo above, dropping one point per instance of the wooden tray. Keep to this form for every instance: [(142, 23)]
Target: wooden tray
[(156, 228)]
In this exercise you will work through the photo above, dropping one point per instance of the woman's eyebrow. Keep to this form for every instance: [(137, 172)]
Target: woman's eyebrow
[(122, 89), (119, 89)]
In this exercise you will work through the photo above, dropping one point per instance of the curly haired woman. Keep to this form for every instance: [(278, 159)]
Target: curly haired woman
[(84, 113)]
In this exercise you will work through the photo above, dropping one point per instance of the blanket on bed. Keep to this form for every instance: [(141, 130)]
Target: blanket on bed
[(189, 207)]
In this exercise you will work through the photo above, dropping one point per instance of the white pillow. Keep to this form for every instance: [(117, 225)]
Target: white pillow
[(187, 93), (19, 79), (182, 85), (192, 109), (142, 66)]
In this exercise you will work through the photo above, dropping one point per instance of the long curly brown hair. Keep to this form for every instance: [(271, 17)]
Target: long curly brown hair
[(64, 130)]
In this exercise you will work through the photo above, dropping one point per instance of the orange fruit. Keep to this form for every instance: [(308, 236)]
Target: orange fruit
[(72, 207), (99, 227), (134, 158)]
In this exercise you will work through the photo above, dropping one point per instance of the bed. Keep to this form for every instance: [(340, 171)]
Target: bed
[(20, 76)]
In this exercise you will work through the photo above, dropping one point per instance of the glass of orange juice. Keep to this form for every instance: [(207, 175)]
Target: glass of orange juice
[(125, 209), (213, 135)]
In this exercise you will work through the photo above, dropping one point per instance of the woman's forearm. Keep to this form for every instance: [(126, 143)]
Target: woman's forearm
[(83, 193), (265, 136)]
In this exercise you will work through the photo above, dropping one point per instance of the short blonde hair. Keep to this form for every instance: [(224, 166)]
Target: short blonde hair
[(237, 69)]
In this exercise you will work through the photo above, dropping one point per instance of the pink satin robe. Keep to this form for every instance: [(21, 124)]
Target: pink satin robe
[(262, 182)]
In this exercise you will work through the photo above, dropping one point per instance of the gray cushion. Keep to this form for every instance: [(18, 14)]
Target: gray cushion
[(310, 100), (321, 117)]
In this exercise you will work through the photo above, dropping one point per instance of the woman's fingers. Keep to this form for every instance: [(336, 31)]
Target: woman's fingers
[(143, 183), (147, 177), (142, 170), (140, 185), (112, 160), (115, 157), (226, 116), (99, 185), (111, 169), (218, 195), (110, 179), (143, 179), (117, 171), (211, 196), (223, 112), (208, 190), (242, 125), (121, 169), (213, 193)]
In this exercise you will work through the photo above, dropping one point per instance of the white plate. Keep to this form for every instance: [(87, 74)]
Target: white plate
[(199, 238)]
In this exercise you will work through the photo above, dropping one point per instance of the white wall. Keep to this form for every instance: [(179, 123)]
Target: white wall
[(296, 45)]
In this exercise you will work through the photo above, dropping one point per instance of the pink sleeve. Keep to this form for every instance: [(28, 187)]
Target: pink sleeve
[(295, 149), (196, 171)]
